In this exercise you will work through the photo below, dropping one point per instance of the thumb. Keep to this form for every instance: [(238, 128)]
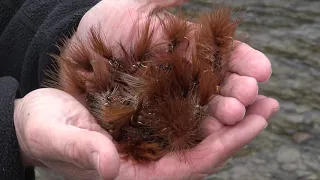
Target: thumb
[(86, 149)]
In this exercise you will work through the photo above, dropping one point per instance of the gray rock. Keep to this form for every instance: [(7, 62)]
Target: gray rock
[(301, 137), (259, 161), (312, 177), (241, 172), (301, 173), (313, 164), (288, 154), (301, 165), (268, 175), (283, 175), (289, 167), (306, 157), (46, 174), (295, 118), (272, 166)]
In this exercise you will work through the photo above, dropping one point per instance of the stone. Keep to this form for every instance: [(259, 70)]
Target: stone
[(268, 175), (241, 172), (272, 166), (290, 131), (289, 167), (301, 137), (295, 118), (288, 154), (313, 164), (301, 173), (46, 174), (301, 165), (312, 177), (259, 161)]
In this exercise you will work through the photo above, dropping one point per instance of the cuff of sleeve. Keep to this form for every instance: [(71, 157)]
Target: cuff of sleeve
[(10, 161)]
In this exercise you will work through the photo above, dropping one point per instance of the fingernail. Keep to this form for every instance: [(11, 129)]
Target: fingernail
[(265, 126), (275, 111), (94, 158)]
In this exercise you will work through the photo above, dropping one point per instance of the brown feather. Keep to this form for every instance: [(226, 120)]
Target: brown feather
[(152, 98)]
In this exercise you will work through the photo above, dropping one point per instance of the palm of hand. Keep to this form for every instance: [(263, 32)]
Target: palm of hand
[(236, 118), (209, 156)]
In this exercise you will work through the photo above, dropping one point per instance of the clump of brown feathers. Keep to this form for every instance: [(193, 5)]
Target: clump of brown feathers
[(153, 97)]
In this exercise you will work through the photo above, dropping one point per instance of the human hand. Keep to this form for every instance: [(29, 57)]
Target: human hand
[(237, 116), (54, 130)]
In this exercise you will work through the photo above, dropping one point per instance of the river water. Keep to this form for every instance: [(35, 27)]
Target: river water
[(288, 32)]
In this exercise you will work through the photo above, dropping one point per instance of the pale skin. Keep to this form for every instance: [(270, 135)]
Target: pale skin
[(54, 130)]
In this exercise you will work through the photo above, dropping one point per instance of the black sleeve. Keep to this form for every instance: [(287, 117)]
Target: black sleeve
[(29, 33), (7, 10), (11, 167)]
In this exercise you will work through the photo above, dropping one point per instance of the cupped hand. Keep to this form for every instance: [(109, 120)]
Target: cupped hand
[(237, 116), (54, 130)]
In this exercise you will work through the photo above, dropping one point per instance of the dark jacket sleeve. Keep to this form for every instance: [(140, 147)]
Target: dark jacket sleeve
[(29, 33), (8, 8), (10, 166)]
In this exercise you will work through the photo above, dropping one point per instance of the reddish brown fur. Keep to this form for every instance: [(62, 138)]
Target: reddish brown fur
[(152, 99)]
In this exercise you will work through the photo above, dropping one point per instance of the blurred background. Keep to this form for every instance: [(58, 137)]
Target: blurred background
[(288, 32)]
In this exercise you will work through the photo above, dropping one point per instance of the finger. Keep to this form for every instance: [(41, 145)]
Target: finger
[(86, 149), (227, 110), (260, 97), (218, 168), (216, 148), (211, 125), (98, 128), (250, 62), (242, 133), (168, 3), (259, 112), (243, 88), (264, 107)]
